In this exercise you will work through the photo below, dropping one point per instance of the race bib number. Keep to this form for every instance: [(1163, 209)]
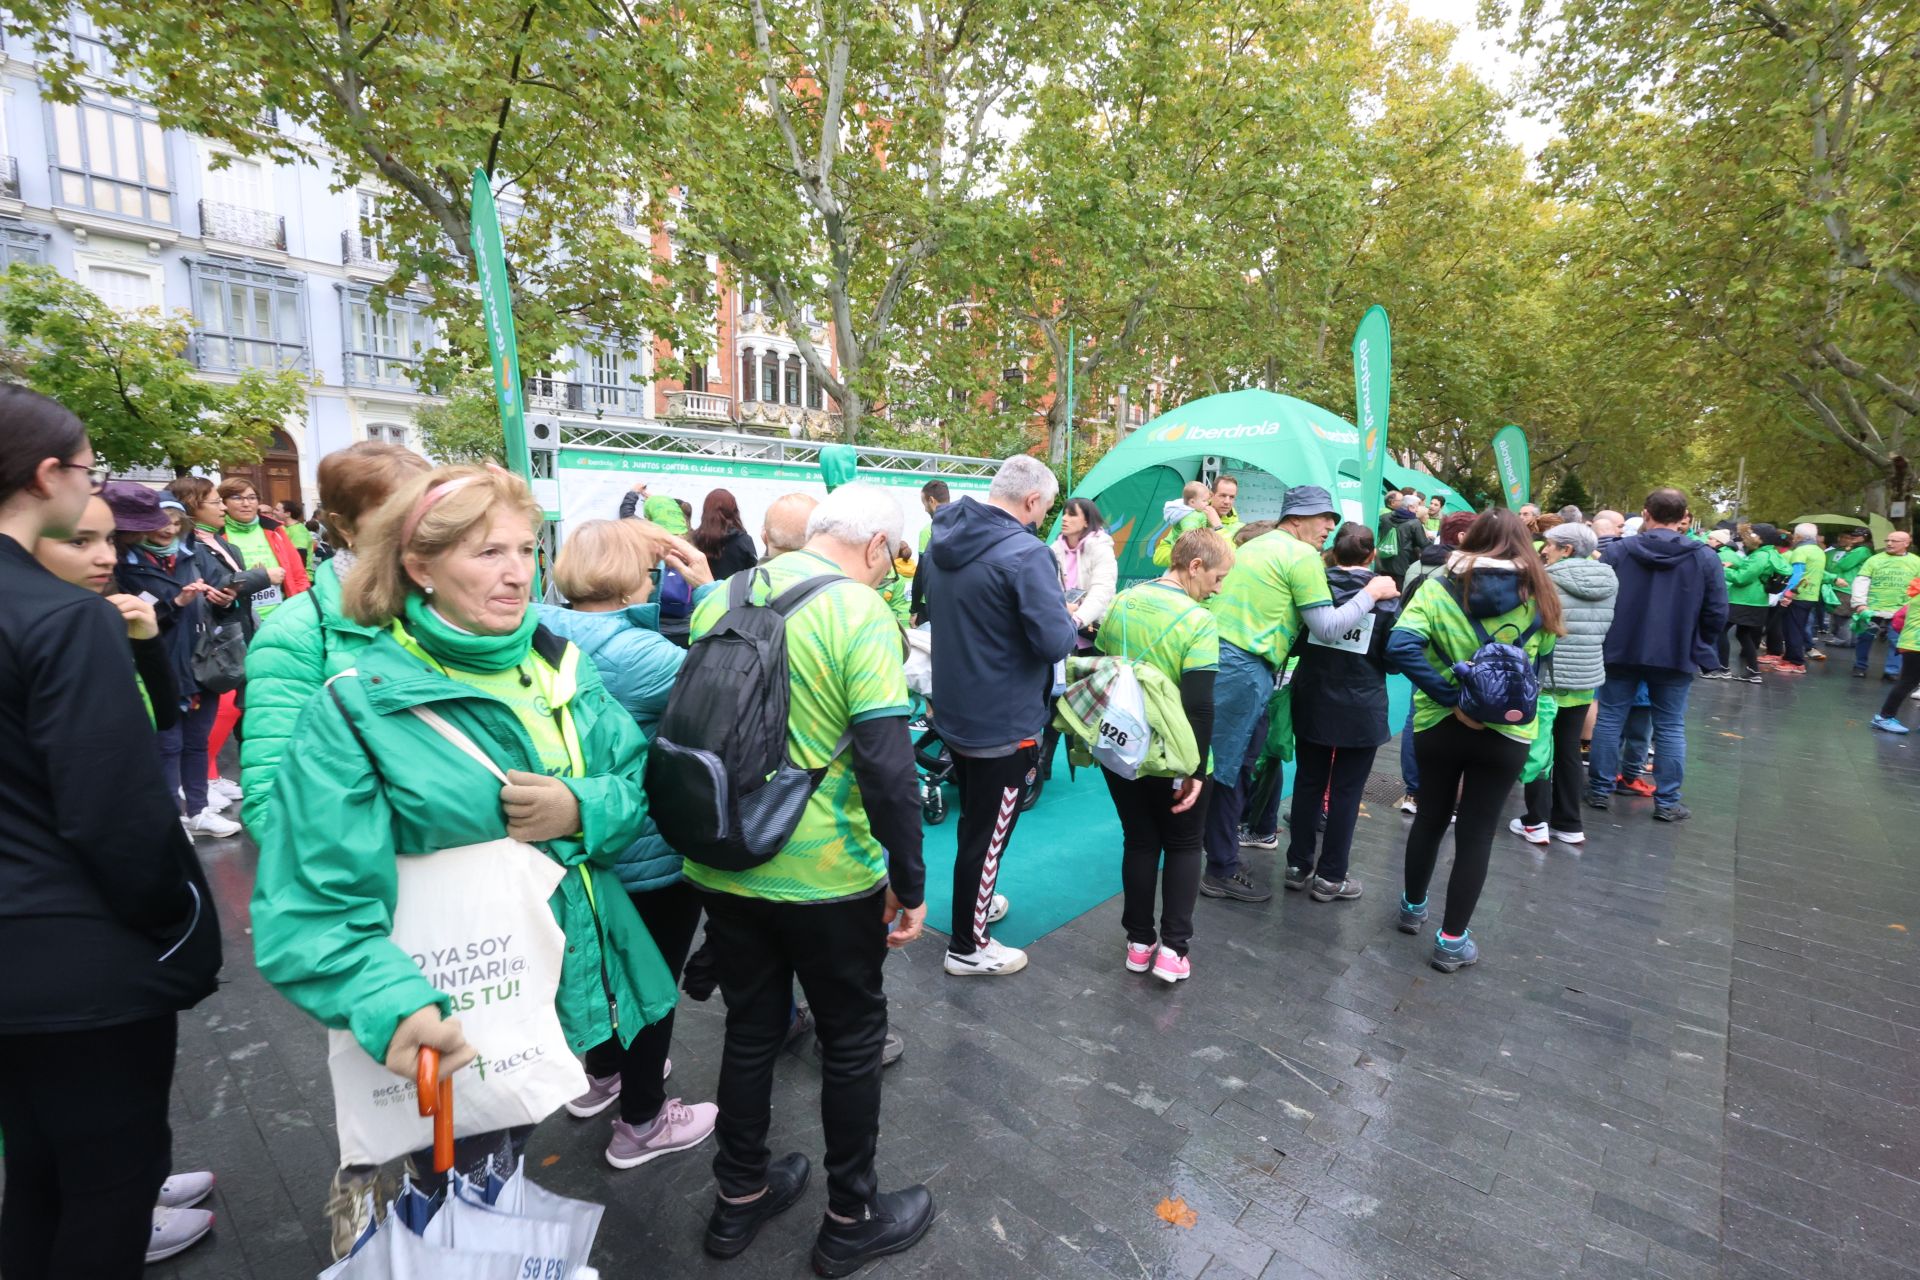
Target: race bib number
[(1357, 638), (267, 597)]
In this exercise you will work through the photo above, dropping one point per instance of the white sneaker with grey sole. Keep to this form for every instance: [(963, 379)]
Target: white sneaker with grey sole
[(184, 1190), (207, 822), (990, 961), (176, 1230)]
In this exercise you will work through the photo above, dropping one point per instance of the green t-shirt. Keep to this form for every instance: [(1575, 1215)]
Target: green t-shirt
[(1274, 577), (1815, 559), (530, 706), (1450, 637), (1159, 624), (250, 540), (897, 591), (844, 665), (926, 535), (299, 537), (1889, 576)]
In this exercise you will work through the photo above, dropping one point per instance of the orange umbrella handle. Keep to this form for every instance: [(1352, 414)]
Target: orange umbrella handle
[(436, 1100)]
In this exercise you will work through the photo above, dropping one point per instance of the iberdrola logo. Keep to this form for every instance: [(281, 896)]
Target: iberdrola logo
[(1167, 435)]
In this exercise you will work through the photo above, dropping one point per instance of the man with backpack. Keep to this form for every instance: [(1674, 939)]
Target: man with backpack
[(1666, 627), (815, 684), (1000, 623)]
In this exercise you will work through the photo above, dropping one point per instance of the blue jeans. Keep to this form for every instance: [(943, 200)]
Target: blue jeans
[(1667, 692), (183, 754), (1863, 647), (1636, 740), (1409, 767), (1240, 695)]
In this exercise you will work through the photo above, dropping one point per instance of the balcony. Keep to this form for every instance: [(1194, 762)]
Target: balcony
[(233, 224), (358, 249), (9, 177), (752, 321), (789, 419), (229, 353), (554, 395), (699, 406), (384, 372)]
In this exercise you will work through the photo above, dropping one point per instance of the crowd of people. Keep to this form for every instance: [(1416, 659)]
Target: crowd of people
[(397, 694)]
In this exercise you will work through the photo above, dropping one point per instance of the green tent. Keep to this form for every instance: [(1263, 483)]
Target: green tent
[(1266, 441), (1402, 477)]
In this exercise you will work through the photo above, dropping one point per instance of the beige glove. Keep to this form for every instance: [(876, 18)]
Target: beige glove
[(425, 1028), (539, 807)]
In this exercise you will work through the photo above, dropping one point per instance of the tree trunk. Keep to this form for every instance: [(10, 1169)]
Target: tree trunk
[(852, 410)]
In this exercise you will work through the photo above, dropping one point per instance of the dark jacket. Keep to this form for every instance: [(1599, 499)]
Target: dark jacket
[(220, 564), (735, 554), (1339, 695), (1000, 622), (143, 571), (105, 916), (1672, 604), (1410, 537)]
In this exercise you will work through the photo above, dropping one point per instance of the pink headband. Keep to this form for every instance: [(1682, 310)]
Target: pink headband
[(426, 503)]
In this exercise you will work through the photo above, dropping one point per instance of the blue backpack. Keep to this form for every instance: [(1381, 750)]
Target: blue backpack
[(1499, 685)]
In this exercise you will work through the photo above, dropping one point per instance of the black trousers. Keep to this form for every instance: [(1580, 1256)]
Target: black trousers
[(84, 1115), (1483, 766), (1795, 628), (1749, 638), (672, 916), (1909, 681), (836, 949), (1160, 850), (1339, 776), (1554, 796), (990, 789)]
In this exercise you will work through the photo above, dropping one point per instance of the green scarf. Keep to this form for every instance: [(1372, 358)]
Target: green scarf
[(206, 528), (237, 530), (452, 647)]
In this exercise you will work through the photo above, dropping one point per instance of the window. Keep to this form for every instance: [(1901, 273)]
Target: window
[(793, 379), (384, 341), (770, 379), (111, 156), (364, 242), (249, 317), (21, 244), (87, 46), (749, 381), (606, 382), (242, 183), (813, 393), (696, 372), (387, 433), (122, 290)]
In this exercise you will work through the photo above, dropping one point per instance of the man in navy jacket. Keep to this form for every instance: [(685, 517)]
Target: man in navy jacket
[(1667, 621), (1000, 623)]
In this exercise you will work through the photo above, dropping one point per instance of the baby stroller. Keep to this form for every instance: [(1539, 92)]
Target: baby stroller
[(932, 761)]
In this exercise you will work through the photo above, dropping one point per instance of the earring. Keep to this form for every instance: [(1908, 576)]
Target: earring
[(428, 590)]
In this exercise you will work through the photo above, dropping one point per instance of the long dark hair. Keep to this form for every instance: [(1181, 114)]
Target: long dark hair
[(1499, 534), (719, 520), (33, 428), (1084, 508), (1352, 546)]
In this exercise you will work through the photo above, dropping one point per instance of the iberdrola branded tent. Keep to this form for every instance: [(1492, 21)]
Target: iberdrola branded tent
[(1268, 442)]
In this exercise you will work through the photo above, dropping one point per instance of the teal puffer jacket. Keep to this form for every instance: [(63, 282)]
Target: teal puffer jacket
[(638, 666), (296, 651)]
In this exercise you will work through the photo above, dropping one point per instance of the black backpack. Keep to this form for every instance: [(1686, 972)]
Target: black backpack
[(720, 784), (1499, 685)]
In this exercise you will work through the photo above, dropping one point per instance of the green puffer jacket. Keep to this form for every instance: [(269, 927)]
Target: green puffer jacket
[(296, 651), (323, 900)]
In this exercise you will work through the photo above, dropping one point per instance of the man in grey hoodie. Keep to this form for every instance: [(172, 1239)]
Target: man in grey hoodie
[(1000, 623)]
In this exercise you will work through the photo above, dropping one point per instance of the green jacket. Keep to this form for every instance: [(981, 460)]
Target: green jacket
[(1747, 575), (1847, 565), (375, 784), (296, 650), (1171, 749)]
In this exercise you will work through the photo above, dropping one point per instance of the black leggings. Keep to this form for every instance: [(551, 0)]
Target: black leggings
[(1483, 766), (1554, 796), (1749, 638), (1339, 775), (1908, 681), (671, 915), (85, 1119), (1150, 829)]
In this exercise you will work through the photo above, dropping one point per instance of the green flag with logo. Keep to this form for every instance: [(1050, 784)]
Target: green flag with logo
[(496, 306), (1372, 385), (1510, 458)]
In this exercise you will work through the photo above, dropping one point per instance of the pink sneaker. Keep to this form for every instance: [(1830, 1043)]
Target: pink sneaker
[(1169, 967), (1139, 956), (676, 1128)]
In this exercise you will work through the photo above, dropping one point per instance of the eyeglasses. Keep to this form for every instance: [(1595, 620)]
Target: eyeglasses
[(96, 474)]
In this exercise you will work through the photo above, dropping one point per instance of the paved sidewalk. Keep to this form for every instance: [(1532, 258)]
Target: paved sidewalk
[(1688, 1052)]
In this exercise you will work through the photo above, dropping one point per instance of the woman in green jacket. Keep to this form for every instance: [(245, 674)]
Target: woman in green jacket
[(445, 570), (1747, 609)]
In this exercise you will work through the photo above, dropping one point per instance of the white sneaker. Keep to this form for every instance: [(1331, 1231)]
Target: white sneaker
[(226, 787), (211, 823), (216, 803), (1532, 835), (997, 909), (175, 1230), (1407, 804), (1570, 837), (184, 1190), (990, 961)]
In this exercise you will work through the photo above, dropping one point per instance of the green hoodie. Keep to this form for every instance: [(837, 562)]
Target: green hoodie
[(371, 783), (1747, 575)]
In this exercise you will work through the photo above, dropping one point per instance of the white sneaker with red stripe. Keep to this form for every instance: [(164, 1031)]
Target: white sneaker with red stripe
[(990, 961)]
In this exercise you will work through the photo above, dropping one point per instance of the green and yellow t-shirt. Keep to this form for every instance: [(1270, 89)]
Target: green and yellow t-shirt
[(897, 592), (1434, 614), (1162, 626), (1808, 588), (844, 666), (1888, 577), (1274, 577), (250, 540), (1163, 549)]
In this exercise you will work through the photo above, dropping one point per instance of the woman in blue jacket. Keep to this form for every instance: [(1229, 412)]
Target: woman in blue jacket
[(603, 571)]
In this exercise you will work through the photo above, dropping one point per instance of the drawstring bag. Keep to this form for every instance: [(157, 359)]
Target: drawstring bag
[(1540, 754), (1121, 737)]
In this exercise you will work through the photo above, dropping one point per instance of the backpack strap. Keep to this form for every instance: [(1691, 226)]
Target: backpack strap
[(788, 602)]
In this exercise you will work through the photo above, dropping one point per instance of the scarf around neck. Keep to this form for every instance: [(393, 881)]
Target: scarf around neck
[(452, 647)]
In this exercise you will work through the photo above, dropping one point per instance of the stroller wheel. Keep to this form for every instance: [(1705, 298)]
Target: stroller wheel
[(934, 807)]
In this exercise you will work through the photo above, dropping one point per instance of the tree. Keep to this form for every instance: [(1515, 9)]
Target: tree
[(1570, 492), (464, 429), (129, 379)]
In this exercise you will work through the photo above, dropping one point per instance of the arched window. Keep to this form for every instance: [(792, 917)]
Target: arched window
[(747, 387)]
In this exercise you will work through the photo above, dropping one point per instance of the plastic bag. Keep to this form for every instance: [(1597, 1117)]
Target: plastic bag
[(920, 661), (1540, 753), (1122, 736)]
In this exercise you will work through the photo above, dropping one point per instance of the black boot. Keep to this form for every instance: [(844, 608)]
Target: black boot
[(732, 1227), (894, 1222)]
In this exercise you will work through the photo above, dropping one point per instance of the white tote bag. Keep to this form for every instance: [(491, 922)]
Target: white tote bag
[(1122, 736), (476, 921)]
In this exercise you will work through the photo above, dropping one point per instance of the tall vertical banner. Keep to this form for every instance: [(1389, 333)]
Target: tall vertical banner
[(1372, 385), (496, 306), (1512, 461)]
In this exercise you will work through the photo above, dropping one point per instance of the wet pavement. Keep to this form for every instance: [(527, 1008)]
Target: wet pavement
[(1687, 1052)]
